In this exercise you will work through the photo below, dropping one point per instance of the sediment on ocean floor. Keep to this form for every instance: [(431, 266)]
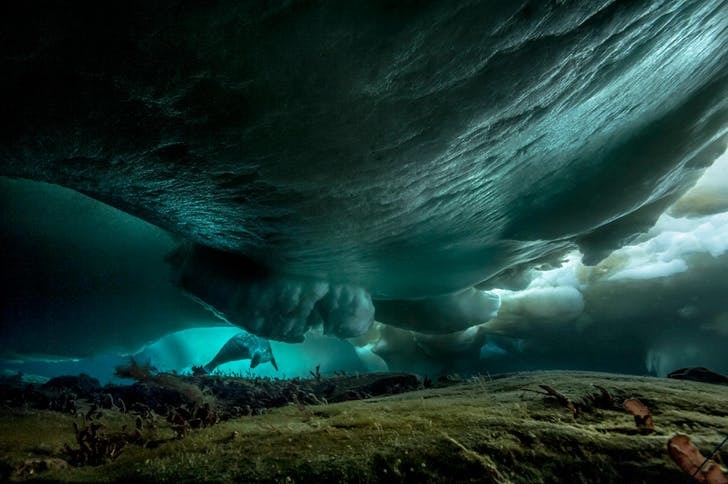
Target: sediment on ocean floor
[(481, 429)]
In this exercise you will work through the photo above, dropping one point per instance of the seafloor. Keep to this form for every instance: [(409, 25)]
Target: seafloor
[(473, 430)]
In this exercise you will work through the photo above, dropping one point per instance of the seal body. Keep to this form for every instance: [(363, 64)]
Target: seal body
[(243, 346)]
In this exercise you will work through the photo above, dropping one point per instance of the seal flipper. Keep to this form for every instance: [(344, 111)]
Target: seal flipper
[(273, 361), (210, 367)]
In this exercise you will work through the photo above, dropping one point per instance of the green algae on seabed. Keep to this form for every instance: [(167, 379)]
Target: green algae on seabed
[(482, 430)]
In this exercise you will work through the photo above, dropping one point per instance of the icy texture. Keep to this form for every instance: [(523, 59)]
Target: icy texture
[(653, 306), (444, 314), (412, 150), (346, 311), (671, 241), (269, 305), (341, 158), (709, 195), (530, 309)]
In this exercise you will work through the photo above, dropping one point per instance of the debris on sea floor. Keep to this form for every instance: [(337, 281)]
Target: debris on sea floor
[(693, 463), (380, 427)]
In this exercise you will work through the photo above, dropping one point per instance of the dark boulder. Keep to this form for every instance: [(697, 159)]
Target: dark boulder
[(698, 373)]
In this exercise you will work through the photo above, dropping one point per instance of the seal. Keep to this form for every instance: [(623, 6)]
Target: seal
[(243, 346)]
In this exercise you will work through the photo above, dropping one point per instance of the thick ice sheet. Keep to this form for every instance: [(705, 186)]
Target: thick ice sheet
[(365, 153), (411, 150)]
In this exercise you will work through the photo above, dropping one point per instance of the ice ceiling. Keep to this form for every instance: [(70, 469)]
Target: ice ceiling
[(479, 185)]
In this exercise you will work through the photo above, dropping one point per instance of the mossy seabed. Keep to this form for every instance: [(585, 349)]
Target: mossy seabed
[(479, 430)]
